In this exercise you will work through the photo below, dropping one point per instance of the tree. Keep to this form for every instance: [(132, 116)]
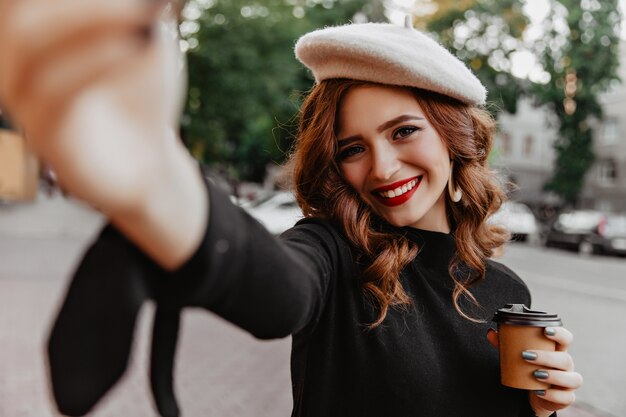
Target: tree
[(580, 53), (244, 83), (484, 34)]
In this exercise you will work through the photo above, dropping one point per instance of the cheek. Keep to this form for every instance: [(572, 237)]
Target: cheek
[(437, 158), (353, 175), (441, 175), (443, 167), (433, 160)]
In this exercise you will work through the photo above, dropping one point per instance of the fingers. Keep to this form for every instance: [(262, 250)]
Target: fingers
[(556, 397), (557, 369), (32, 27), (555, 360), (42, 24), (492, 337), (48, 85), (561, 336), (558, 359), (36, 33), (563, 379), (552, 399)]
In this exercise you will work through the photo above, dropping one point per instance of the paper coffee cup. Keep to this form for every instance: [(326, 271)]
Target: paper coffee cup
[(520, 329)]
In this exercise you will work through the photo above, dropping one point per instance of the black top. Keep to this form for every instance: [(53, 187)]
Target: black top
[(425, 361)]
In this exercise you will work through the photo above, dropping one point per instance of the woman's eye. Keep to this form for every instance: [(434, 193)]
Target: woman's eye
[(348, 152), (404, 131)]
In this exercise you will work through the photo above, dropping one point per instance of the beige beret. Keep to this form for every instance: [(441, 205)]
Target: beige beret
[(388, 54)]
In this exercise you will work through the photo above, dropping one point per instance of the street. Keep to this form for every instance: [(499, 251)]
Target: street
[(590, 296), (222, 371)]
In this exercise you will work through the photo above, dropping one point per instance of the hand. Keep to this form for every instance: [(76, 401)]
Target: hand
[(555, 368), (96, 87)]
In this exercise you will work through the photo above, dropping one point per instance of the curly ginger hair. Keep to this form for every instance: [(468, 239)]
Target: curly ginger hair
[(321, 191)]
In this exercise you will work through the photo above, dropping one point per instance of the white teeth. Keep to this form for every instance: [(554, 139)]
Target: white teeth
[(400, 190)]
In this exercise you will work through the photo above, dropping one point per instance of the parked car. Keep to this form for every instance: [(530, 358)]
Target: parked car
[(589, 232), (519, 220), (277, 212)]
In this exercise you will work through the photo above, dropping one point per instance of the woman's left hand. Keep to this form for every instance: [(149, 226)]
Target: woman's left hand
[(555, 368)]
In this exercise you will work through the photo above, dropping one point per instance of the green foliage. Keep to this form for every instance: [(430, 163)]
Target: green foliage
[(581, 39), (245, 84), (575, 156), (587, 33), (484, 34)]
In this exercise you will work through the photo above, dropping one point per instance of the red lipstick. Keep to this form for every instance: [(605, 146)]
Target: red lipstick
[(400, 199)]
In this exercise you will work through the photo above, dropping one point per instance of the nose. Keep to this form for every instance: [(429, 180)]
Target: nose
[(385, 162)]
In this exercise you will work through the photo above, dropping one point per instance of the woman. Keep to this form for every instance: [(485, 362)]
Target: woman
[(386, 285)]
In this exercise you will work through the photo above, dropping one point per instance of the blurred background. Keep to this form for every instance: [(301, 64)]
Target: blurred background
[(553, 69)]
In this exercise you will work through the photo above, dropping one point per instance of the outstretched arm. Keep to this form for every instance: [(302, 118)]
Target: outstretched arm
[(96, 87)]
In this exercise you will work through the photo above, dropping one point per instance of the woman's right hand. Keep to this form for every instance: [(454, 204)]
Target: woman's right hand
[(93, 92), (96, 87)]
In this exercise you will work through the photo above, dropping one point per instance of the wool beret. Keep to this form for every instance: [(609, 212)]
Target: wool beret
[(388, 54)]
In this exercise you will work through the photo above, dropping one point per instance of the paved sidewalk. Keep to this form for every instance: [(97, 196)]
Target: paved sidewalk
[(221, 371)]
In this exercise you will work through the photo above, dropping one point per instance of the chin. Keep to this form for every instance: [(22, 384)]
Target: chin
[(400, 218), (398, 221)]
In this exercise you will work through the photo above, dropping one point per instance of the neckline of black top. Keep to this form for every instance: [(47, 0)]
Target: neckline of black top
[(435, 248)]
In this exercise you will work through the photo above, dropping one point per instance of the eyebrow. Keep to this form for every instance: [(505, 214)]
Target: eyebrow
[(381, 128), (396, 120)]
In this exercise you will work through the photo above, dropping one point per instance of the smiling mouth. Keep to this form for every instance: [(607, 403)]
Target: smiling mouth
[(399, 194)]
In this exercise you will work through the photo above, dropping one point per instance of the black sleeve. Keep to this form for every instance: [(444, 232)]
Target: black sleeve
[(269, 286), (527, 411)]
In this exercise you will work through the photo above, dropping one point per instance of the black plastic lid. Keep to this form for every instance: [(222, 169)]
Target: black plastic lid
[(520, 315)]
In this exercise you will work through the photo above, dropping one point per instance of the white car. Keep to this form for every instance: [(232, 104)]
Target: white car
[(277, 212), (519, 220)]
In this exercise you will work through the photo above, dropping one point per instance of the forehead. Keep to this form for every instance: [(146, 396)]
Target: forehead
[(372, 92), (377, 102)]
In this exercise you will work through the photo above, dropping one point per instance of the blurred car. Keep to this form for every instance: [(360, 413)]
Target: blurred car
[(589, 232), (518, 219), (277, 212)]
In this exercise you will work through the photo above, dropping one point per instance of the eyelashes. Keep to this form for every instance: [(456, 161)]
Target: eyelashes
[(349, 151), (403, 132)]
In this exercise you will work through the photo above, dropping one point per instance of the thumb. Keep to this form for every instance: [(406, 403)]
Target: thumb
[(492, 337)]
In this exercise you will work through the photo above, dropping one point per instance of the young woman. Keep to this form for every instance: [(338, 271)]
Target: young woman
[(386, 285)]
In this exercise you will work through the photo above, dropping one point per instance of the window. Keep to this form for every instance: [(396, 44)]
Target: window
[(607, 172), (505, 143), (609, 133), (528, 145)]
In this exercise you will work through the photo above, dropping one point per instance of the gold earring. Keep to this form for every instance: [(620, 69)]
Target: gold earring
[(455, 192)]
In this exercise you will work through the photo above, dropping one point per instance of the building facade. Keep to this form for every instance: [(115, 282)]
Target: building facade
[(523, 152), (605, 184)]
